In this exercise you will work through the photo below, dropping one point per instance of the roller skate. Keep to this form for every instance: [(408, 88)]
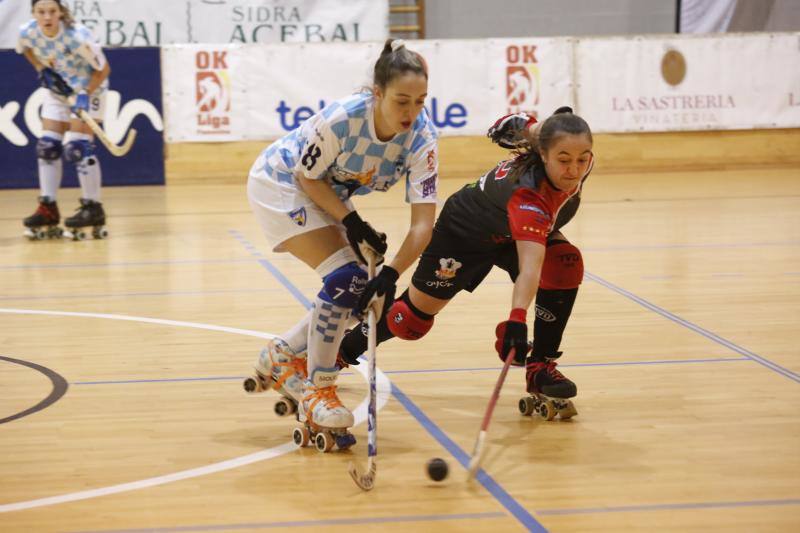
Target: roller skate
[(43, 224), (549, 391), (325, 420), (90, 213), (278, 367)]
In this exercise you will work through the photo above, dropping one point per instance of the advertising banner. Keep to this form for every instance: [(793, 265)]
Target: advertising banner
[(133, 102), (157, 22), (238, 92), (530, 75), (689, 83)]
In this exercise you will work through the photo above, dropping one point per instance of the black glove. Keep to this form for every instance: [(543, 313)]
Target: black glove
[(379, 290), (364, 239), (509, 131), (512, 333), (50, 79)]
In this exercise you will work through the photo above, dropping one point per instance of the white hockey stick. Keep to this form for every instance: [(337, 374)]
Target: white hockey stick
[(367, 480), (477, 451), (115, 150)]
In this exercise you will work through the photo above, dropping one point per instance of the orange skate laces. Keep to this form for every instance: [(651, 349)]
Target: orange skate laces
[(296, 365)]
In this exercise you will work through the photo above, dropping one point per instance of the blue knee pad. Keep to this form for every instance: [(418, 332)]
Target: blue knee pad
[(344, 286), (74, 151), (49, 149)]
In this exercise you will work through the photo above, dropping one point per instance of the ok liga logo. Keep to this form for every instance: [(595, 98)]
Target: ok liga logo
[(522, 79), (212, 92)]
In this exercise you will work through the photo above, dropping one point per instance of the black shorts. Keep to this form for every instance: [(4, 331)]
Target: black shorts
[(447, 266)]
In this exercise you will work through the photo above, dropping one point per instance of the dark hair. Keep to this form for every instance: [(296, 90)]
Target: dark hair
[(556, 126), (396, 60)]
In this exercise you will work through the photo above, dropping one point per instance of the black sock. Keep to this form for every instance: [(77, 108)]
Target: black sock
[(553, 308)]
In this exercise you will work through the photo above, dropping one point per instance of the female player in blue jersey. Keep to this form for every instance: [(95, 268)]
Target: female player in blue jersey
[(67, 57), (300, 189)]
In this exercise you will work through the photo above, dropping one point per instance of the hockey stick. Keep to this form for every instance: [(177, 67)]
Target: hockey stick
[(367, 481), (477, 451), (116, 150)]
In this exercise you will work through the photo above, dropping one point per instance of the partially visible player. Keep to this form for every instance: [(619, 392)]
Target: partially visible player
[(300, 189), (66, 56), (511, 217)]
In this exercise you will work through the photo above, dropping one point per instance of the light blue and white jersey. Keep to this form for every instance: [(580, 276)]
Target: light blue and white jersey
[(339, 144), (74, 52)]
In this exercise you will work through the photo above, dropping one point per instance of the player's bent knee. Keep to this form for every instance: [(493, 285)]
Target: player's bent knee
[(562, 267), (75, 151), (343, 286), (405, 323), (49, 149)]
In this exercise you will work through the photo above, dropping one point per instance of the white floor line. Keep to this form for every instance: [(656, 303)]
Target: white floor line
[(383, 386)]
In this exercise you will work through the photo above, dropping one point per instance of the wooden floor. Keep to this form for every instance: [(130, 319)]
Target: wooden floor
[(121, 361)]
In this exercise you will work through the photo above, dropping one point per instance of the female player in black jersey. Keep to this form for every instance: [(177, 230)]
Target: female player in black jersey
[(511, 217)]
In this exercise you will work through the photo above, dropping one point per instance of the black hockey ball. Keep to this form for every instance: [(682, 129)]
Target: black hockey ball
[(437, 469)]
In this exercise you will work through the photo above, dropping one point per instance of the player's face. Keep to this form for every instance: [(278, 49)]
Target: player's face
[(399, 104), (47, 14), (567, 160)]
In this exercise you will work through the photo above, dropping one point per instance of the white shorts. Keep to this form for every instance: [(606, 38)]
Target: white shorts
[(283, 211), (55, 107)]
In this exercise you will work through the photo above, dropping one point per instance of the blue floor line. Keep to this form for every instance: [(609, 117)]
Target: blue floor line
[(503, 498), (669, 507), (430, 371), (494, 488), (304, 523), (127, 264), (697, 329)]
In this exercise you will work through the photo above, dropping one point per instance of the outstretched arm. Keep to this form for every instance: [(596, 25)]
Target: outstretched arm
[(531, 258), (98, 77), (417, 238), (513, 333)]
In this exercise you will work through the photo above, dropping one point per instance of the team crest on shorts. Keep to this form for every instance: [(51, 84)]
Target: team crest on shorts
[(447, 268), (298, 216)]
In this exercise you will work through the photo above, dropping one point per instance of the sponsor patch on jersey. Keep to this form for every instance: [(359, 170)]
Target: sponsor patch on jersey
[(535, 209), (298, 216), (447, 268), (429, 186)]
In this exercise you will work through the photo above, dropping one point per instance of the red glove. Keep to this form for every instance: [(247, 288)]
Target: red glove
[(513, 333)]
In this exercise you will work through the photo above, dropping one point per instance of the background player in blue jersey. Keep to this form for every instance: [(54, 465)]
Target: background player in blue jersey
[(64, 52), (300, 189), (510, 218)]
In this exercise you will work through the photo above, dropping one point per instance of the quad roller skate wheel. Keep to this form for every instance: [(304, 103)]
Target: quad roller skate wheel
[(301, 436), (324, 441), (250, 385), (545, 407), (526, 406), (40, 234), (75, 234), (99, 233), (547, 410), (285, 407), (35, 234)]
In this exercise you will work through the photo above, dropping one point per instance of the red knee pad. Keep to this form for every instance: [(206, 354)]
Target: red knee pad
[(562, 268), (405, 324)]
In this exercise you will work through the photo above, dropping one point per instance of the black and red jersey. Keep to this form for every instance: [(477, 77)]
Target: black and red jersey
[(496, 210)]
